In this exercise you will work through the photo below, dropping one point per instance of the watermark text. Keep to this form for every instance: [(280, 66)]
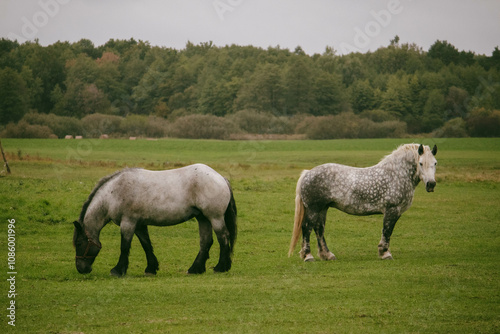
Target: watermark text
[(11, 271)]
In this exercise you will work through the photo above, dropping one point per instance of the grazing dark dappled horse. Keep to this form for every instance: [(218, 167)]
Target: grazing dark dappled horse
[(386, 188), (135, 198)]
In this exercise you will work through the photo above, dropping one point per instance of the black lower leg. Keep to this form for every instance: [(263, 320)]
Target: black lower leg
[(121, 268), (142, 233), (206, 241), (199, 264), (225, 253)]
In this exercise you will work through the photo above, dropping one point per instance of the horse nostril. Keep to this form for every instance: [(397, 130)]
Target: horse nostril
[(430, 186)]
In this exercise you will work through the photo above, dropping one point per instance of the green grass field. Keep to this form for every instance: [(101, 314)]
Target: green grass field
[(444, 277)]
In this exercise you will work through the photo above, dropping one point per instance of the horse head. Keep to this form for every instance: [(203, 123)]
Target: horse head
[(86, 249), (427, 167)]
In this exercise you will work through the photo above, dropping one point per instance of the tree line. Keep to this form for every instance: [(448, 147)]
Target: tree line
[(396, 90)]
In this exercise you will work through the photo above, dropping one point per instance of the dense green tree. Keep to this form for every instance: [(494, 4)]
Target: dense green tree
[(362, 96), (298, 86), (456, 102), (85, 46), (397, 96), (156, 83), (34, 87), (48, 65), (444, 51), (328, 94), (434, 113), (122, 77), (13, 96), (109, 79), (495, 58), (264, 91), (352, 69), (7, 49)]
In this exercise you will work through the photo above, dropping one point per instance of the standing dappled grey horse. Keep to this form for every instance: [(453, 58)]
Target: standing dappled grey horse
[(135, 198), (386, 188)]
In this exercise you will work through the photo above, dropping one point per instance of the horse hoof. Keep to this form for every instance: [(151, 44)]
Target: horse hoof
[(221, 269), (196, 270), (387, 256), (115, 273), (309, 258), (328, 257), (149, 274)]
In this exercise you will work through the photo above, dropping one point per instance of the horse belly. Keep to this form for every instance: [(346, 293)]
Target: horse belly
[(360, 209), (159, 215), (349, 196)]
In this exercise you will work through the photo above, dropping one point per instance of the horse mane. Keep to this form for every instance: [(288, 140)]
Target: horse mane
[(407, 151), (99, 184)]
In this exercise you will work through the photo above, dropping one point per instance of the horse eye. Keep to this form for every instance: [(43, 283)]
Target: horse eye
[(421, 164)]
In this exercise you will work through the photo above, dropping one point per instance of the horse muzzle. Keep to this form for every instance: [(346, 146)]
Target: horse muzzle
[(429, 186), (82, 267)]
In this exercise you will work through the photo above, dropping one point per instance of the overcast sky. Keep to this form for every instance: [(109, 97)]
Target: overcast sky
[(345, 25)]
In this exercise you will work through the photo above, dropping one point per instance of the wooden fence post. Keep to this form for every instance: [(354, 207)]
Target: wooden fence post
[(4, 159)]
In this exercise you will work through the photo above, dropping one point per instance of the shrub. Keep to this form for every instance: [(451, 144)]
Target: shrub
[(137, 125), (97, 124), (202, 127), (25, 130), (387, 129), (454, 128), (252, 121), (349, 125), (60, 125), (484, 123), (379, 115), (343, 125), (156, 127)]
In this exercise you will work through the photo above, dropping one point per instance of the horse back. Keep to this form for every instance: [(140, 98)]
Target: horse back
[(164, 197)]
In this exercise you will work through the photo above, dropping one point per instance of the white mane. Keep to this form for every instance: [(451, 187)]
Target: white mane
[(407, 151)]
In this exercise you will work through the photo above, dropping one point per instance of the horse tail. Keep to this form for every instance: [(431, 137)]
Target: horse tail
[(230, 217), (299, 214)]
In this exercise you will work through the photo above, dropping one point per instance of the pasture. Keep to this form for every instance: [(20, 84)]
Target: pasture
[(444, 277)]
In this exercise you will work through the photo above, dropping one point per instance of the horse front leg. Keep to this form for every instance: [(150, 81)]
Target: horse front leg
[(141, 231), (391, 216), (206, 241), (127, 232)]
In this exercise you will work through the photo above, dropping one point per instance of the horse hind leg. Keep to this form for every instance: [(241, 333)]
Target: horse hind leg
[(142, 233), (323, 251), (206, 241), (223, 238), (315, 220), (305, 251)]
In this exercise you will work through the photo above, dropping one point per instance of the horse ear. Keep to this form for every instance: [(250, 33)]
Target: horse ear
[(77, 225), (434, 150), (421, 149)]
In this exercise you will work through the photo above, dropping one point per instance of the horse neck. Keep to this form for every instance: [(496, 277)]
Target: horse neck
[(93, 215), (94, 222), (407, 163)]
